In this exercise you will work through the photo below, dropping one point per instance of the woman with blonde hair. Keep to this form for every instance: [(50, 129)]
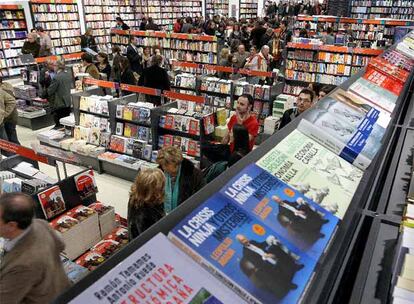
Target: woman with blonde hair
[(145, 206), (182, 178)]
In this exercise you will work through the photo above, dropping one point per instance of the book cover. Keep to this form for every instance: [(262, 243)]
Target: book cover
[(208, 122), (119, 128), (119, 111), (286, 211), (380, 98), (63, 223), (85, 184), (359, 105), (128, 113), (329, 130), (94, 137), (127, 130), (194, 127), (52, 202), (169, 122), (314, 171), (149, 275), (364, 122), (244, 253)]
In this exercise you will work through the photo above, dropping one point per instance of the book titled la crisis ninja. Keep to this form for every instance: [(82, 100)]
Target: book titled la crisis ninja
[(259, 236), (157, 273)]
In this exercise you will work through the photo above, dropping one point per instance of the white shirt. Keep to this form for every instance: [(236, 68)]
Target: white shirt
[(261, 253), (10, 244)]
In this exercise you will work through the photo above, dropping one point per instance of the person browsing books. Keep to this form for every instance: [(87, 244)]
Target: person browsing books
[(31, 45), (303, 102), (145, 206), (90, 68), (183, 179), (30, 268), (245, 117)]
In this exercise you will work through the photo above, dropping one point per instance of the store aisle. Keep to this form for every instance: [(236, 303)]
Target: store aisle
[(112, 190)]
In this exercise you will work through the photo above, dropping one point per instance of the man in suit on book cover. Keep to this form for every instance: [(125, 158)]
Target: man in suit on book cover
[(300, 217), (30, 270), (269, 264)]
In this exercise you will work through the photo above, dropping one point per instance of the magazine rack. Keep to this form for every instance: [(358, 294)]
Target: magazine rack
[(357, 266)]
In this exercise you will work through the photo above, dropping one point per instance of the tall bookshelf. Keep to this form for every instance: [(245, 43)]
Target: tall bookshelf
[(324, 64), (183, 47), (378, 32), (165, 13), (395, 9), (60, 19), (216, 7), (13, 32), (248, 9)]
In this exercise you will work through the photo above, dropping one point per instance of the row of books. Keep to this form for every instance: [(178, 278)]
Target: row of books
[(216, 7), (126, 160), (135, 147), (391, 9), (54, 8), (133, 131), (11, 14), (323, 68), (178, 44), (188, 146), (95, 104), (314, 77), (136, 112)]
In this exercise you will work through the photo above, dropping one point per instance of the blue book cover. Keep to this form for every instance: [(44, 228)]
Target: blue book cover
[(294, 216), (244, 253)]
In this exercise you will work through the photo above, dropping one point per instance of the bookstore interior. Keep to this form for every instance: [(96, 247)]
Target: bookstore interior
[(135, 131)]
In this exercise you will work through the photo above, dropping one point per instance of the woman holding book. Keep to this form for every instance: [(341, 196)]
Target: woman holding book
[(145, 206)]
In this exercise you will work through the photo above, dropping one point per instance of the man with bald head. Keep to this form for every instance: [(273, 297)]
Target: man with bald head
[(30, 269)]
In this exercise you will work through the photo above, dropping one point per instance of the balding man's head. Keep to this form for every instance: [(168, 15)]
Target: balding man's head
[(32, 37), (16, 213)]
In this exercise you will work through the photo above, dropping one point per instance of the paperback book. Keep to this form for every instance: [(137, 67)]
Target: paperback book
[(148, 274), (313, 170), (245, 254), (353, 145), (86, 184)]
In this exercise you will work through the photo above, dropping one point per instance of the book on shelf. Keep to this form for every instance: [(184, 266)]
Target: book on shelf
[(351, 143), (244, 253), (192, 283), (313, 170)]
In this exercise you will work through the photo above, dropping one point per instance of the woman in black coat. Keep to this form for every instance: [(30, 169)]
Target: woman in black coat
[(127, 76), (182, 178), (145, 206)]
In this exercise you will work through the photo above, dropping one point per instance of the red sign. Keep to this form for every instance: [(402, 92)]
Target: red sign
[(186, 97), (100, 83), (23, 151), (139, 89)]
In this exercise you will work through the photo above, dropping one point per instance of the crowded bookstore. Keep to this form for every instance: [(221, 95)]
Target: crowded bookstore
[(206, 151)]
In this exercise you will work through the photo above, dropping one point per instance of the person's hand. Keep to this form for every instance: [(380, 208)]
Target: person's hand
[(269, 256)]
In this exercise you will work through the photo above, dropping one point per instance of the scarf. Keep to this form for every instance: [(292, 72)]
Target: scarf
[(171, 194)]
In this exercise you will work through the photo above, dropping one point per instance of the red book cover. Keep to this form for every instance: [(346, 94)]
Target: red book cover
[(208, 122), (192, 148), (384, 66), (80, 213), (169, 122), (99, 207), (52, 202), (86, 184), (90, 260), (106, 247), (63, 223), (194, 128), (383, 80), (119, 234)]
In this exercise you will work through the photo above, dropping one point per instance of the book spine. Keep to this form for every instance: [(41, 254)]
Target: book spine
[(210, 268), (333, 144)]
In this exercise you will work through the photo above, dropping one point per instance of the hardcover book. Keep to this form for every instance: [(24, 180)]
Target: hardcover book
[(52, 202), (244, 253), (353, 145), (85, 184), (129, 279), (314, 171)]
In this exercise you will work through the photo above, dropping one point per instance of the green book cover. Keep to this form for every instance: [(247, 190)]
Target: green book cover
[(314, 171)]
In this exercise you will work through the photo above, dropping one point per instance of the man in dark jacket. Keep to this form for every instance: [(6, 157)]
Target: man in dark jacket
[(151, 26), (59, 93), (303, 102), (133, 56), (88, 41), (31, 45), (257, 33), (155, 77)]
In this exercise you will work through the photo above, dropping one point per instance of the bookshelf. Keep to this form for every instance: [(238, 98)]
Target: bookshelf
[(216, 7), (377, 32), (395, 9), (193, 48), (248, 9), (324, 64), (53, 16), (13, 32)]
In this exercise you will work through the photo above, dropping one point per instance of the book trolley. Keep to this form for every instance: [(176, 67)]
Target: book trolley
[(13, 32), (357, 267)]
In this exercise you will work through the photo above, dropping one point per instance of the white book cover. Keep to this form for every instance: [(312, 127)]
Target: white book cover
[(158, 272)]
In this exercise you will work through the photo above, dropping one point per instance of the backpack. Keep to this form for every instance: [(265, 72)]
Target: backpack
[(214, 170)]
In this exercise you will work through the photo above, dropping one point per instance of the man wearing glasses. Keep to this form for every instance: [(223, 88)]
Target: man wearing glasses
[(303, 102)]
